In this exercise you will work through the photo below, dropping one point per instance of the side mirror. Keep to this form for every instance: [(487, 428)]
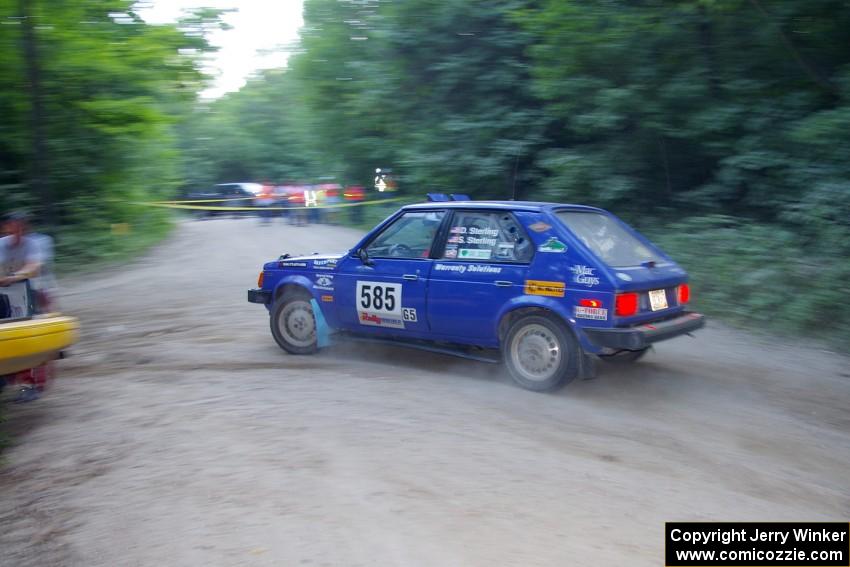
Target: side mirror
[(364, 257)]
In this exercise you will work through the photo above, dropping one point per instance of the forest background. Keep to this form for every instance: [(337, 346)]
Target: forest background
[(721, 128)]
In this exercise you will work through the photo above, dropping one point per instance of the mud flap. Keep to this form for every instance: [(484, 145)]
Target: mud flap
[(587, 366), (323, 335)]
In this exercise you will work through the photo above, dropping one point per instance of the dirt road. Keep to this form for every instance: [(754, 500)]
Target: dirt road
[(179, 434)]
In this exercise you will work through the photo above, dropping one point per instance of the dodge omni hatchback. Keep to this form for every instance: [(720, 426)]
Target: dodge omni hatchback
[(545, 287)]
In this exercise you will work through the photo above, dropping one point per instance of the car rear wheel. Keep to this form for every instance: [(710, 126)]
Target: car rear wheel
[(541, 354), (293, 324)]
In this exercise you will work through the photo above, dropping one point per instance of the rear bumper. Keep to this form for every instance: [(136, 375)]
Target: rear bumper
[(259, 296), (641, 336)]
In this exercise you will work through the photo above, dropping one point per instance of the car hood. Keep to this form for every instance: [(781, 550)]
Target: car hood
[(314, 261)]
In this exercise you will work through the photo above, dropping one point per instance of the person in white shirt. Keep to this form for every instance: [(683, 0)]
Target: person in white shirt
[(25, 256), (20, 254)]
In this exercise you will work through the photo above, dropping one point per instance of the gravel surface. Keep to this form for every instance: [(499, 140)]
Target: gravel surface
[(180, 434)]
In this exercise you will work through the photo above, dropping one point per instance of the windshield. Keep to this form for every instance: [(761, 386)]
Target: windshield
[(607, 239), (409, 236)]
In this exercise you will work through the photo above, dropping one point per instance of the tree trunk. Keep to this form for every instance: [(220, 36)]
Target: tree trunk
[(709, 53), (38, 170)]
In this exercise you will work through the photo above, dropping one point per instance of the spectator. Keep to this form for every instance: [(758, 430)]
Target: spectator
[(26, 256), (265, 199), (20, 253)]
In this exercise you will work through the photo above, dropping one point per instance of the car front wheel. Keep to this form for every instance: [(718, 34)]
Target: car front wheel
[(541, 353), (293, 325)]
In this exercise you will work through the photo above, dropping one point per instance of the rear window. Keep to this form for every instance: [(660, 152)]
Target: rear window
[(607, 239)]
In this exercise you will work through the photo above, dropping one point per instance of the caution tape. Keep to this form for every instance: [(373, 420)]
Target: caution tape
[(259, 208)]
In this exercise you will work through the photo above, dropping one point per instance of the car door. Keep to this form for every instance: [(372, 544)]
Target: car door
[(482, 266), (383, 292)]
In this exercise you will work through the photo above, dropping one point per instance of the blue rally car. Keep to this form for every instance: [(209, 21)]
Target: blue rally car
[(551, 286)]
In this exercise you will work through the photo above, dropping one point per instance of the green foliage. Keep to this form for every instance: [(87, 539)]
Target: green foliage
[(112, 93), (99, 232), (761, 276), (726, 123)]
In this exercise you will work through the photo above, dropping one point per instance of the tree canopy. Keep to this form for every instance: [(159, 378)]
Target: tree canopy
[(714, 125)]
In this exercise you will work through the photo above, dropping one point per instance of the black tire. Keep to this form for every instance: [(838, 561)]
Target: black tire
[(626, 356), (293, 324), (533, 334)]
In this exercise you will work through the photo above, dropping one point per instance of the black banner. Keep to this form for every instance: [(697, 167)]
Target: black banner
[(757, 544)]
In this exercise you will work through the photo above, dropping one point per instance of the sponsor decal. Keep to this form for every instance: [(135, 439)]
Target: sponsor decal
[(540, 226), (595, 313), (408, 314), (472, 240), (324, 282), (328, 298), (550, 289), (483, 231), (585, 275), (474, 254), (505, 250), (379, 304), (481, 241), (473, 235), (478, 268), (380, 321), (325, 264), (292, 264), (553, 245), (463, 268), (475, 231)]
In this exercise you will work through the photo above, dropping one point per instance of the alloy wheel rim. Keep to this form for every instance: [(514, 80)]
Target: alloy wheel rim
[(297, 324), (536, 353)]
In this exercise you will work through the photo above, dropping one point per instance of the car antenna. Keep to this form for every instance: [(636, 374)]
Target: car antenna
[(516, 167)]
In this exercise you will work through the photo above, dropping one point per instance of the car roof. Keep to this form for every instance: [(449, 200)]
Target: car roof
[(534, 206)]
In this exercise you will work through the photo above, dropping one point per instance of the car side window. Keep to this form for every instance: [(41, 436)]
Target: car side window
[(409, 236), (487, 236)]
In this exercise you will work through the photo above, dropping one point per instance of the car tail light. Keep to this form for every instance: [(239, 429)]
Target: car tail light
[(684, 293), (260, 279), (626, 304), (590, 303)]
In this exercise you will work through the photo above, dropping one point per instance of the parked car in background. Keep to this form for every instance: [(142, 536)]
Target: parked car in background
[(224, 196)]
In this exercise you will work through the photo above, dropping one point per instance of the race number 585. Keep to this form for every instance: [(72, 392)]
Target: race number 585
[(379, 297)]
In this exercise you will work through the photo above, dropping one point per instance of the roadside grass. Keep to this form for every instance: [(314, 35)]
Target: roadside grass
[(761, 278), (102, 240)]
